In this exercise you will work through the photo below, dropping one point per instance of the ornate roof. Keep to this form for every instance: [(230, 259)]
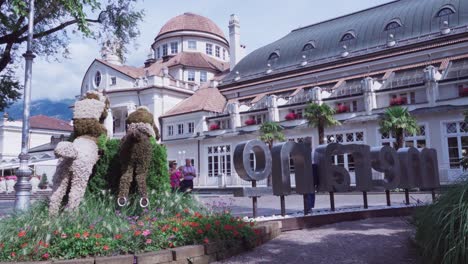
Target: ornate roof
[(204, 99), (190, 21), (364, 32)]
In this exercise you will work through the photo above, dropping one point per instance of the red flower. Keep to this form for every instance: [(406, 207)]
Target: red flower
[(45, 256), (197, 214), (148, 241), (13, 254), (228, 227), (22, 233), (118, 236), (185, 223), (208, 227), (77, 235), (206, 240), (178, 215), (105, 247), (171, 245), (235, 233), (2, 245), (194, 224), (186, 210), (175, 229), (85, 234), (91, 227), (56, 232), (140, 223), (199, 231), (217, 223), (252, 223), (257, 232), (24, 245), (165, 228), (98, 236), (137, 233)]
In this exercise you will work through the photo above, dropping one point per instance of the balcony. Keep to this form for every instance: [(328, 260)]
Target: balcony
[(347, 88), (457, 70), (405, 78), (341, 108)]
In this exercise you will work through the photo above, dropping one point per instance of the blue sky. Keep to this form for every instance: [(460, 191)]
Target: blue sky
[(262, 22)]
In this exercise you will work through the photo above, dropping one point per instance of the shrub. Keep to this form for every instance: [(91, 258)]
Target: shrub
[(106, 174), (98, 228), (44, 182), (442, 227)]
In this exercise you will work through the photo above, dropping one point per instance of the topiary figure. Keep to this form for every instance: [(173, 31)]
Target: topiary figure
[(136, 154), (77, 158)]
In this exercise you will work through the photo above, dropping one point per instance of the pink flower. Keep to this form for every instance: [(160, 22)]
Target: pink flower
[(45, 256), (148, 241), (146, 232), (63, 235)]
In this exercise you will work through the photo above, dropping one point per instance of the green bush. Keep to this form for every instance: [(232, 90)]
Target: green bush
[(106, 175), (100, 228), (442, 227)]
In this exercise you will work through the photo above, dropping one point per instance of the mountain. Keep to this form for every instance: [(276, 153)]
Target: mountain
[(58, 109)]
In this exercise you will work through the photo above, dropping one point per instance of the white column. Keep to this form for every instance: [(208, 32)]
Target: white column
[(317, 95), (273, 112), (233, 110), (369, 94), (432, 87)]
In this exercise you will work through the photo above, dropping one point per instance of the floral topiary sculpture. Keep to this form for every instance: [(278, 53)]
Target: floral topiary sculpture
[(77, 158), (136, 153)]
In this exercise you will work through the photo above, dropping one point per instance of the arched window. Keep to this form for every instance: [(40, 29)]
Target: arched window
[(392, 25), (273, 56), (309, 46), (97, 78), (446, 11), (348, 36)]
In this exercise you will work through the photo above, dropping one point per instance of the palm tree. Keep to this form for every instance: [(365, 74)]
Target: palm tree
[(396, 121), (320, 116), (269, 133)]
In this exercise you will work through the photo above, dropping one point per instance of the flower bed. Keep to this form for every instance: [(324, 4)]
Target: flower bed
[(99, 229)]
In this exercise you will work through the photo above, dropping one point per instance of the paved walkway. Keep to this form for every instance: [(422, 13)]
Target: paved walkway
[(378, 240)]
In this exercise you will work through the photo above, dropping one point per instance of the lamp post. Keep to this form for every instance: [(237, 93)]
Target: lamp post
[(23, 187)]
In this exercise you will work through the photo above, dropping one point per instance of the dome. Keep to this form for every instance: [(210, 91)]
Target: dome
[(190, 21)]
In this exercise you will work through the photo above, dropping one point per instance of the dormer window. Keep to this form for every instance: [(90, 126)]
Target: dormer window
[(444, 16), (273, 56), (348, 36), (392, 25), (272, 60), (309, 46)]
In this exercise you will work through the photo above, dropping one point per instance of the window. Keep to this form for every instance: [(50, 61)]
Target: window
[(191, 127), (273, 56), (192, 44), (174, 47), (392, 25), (209, 49), (217, 51), (224, 124), (164, 50), (97, 78), (348, 36), (191, 76), (158, 53), (309, 46), (346, 160), (219, 160), (224, 54), (444, 15), (170, 130), (203, 76), (447, 11), (417, 140), (457, 142), (180, 129)]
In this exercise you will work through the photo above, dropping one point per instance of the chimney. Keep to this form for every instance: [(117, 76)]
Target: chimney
[(235, 51)]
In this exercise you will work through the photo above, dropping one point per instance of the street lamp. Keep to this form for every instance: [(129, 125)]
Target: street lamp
[(23, 187)]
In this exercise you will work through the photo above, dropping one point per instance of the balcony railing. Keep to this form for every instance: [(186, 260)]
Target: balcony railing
[(348, 88), (457, 70), (405, 79), (304, 96)]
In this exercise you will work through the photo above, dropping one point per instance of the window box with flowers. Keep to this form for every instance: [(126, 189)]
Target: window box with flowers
[(397, 101), (215, 130), (341, 108), (250, 125), (291, 116), (250, 122), (463, 91)]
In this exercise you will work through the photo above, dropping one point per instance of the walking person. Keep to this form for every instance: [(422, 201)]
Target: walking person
[(189, 173), (175, 176)]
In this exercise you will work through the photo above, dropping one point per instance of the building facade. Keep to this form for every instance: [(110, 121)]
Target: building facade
[(411, 53)]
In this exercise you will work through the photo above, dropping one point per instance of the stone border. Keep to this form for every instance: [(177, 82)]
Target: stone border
[(195, 254), (289, 224)]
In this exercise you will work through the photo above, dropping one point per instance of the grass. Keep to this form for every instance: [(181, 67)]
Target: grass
[(442, 227)]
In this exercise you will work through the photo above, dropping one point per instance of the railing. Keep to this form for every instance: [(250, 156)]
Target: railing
[(304, 96), (457, 70), (184, 85), (404, 79), (347, 89), (261, 104)]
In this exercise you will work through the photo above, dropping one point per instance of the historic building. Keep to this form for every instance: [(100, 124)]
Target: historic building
[(409, 52)]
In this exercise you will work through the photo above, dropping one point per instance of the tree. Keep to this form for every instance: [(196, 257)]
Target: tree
[(269, 133), (396, 121), (320, 116), (54, 21)]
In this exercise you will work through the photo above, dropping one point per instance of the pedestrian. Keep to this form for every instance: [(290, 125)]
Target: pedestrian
[(175, 176), (189, 173)]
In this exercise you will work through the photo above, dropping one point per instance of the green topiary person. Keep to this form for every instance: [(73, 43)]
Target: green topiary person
[(136, 153)]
